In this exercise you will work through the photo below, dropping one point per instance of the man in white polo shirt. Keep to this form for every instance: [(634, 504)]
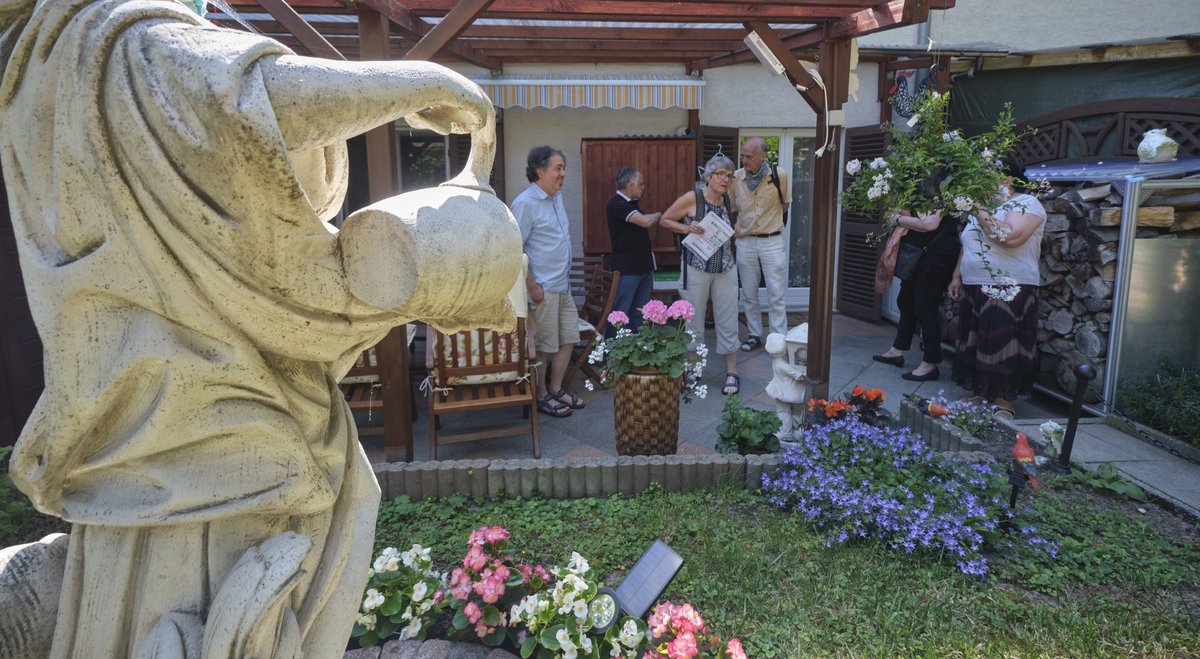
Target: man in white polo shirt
[(546, 236), (761, 198)]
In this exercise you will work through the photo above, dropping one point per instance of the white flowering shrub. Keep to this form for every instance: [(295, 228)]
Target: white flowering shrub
[(404, 596)]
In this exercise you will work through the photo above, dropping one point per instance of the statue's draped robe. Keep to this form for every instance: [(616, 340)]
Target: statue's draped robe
[(195, 319)]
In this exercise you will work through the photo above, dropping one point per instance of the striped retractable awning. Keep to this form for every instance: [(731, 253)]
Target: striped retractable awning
[(594, 91)]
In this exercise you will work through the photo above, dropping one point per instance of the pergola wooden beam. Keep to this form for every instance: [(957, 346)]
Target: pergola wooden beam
[(300, 28), (636, 10), (879, 17), (447, 29), (410, 24), (791, 66)]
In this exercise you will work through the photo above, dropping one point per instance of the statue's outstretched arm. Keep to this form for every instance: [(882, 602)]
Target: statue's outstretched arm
[(319, 102)]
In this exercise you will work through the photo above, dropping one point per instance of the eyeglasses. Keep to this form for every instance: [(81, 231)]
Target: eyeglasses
[(724, 175)]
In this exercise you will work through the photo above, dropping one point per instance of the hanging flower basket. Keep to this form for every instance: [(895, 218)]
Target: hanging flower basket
[(646, 413)]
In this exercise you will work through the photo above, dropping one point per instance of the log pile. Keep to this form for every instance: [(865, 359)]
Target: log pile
[(1078, 268)]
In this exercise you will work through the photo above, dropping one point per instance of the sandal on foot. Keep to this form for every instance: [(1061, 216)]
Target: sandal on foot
[(549, 405), (735, 386), (751, 344), (576, 403)]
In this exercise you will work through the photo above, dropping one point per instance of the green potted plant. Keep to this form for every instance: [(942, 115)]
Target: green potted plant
[(745, 430)]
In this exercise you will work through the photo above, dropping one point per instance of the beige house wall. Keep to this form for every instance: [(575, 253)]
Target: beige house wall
[(1025, 25)]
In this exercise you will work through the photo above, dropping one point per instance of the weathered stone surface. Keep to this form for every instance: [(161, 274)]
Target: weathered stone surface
[(364, 653), (31, 579), (197, 311), (1061, 321)]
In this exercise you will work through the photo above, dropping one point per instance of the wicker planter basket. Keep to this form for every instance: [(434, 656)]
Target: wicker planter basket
[(646, 413)]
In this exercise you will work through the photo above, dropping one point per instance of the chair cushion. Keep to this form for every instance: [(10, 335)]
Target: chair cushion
[(459, 359)]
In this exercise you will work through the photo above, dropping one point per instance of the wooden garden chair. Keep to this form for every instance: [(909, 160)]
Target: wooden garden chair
[(480, 370)]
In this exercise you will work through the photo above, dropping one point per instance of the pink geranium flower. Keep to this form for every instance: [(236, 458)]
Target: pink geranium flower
[(655, 311), (618, 319), (681, 310), (735, 650)]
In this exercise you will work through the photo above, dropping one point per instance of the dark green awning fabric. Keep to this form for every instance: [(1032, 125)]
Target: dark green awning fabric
[(975, 102)]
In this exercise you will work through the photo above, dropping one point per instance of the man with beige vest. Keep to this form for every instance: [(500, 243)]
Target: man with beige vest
[(761, 201)]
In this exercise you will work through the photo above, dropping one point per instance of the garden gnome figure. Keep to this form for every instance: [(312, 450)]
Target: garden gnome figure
[(789, 384), (170, 184)]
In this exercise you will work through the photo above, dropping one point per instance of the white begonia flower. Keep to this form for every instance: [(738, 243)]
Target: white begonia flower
[(367, 620), (570, 651), (878, 163), (587, 384), (564, 638), (578, 563), (585, 643), (411, 630), (419, 591), (630, 636), (580, 609), (370, 572), (701, 391), (853, 167), (373, 599)]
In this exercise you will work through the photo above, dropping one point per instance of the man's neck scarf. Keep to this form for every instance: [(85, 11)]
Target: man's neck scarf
[(752, 180)]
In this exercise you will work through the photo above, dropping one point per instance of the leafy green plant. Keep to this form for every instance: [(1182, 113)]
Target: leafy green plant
[(1168, 401), (745, 430), (1106, 477), (932, 168), (661, 345)]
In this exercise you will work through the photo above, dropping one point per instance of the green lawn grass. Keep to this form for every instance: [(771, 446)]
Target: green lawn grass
[(1116, 589)]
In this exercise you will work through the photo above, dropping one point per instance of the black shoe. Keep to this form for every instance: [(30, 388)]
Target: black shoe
[(932, 375), (896, 361)]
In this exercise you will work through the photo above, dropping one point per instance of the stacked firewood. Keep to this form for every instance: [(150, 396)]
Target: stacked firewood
[(1079, 266)]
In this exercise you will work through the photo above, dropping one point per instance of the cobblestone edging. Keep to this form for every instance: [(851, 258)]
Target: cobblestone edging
[(429, 650), (941, 435), (570, 479)]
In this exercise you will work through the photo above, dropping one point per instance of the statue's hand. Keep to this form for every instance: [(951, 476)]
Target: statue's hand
[(464, 112)]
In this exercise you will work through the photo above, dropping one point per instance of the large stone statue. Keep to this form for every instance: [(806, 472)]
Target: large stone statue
[(170, 183)]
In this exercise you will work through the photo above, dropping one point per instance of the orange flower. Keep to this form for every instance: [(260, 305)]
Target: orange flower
[(872, 394), (834, 409), (858, 391)]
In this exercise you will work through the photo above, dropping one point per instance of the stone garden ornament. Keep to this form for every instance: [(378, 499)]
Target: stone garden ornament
[(789, 386), (170, 184)]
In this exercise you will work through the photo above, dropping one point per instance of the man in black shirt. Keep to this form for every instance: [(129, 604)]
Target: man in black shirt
[(631, 253)]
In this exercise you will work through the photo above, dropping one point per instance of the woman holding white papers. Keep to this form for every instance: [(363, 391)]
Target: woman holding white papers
[(716, 275)]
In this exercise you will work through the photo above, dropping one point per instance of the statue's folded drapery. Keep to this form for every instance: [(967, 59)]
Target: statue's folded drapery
[(194, 311)]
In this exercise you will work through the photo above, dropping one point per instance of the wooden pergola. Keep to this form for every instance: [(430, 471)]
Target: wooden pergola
[(698, 34)]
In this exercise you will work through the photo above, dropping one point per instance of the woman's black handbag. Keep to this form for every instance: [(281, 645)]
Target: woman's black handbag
[(907, 259)]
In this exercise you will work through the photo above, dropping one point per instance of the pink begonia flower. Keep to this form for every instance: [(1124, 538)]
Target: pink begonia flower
[(495, 534), (683, 647), (735, 650), (471, 610), (501, 570), (660, 620), (526, 571), (437, 596), (541, 572), (482, 629), (460, 584), (655, 311), (687, 619), (475, 559), (618, 319), (681, 310)]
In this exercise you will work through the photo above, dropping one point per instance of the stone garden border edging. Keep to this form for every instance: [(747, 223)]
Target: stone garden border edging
[(941, 435), (570, 478)]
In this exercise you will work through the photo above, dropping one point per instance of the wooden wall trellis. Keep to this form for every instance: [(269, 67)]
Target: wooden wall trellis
[(1109, 128)]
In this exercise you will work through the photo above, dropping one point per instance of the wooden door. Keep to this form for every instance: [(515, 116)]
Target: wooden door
[(669, 169), (21, 379), (856, 256)]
